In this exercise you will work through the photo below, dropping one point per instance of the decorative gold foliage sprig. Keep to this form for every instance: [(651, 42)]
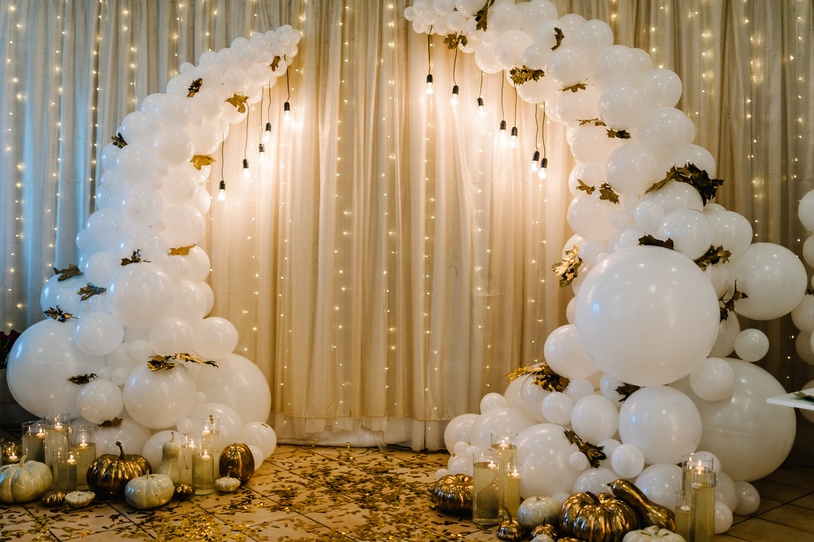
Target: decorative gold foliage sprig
[(712, 256), (195, 87), (57, 314), (90, 290), (115, 422), (694, 176), (558, 37), (181, 251), (567, 268), (595, 122), (543, 377), (239, 101), (135, 257), (650, 241), (584, 187), (65, 274), (592, 451), (525, 74), (82, 379), (159, 363), (275, 62), (523, 371), (626, 390), (201, 160), (619, 134), (607, 193), (729, 304), (118, 140), (482, 16), (452, 40), (575, 88)]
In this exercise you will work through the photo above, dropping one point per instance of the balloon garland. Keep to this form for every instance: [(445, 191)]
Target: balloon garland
[(129, 345), (659, 274)]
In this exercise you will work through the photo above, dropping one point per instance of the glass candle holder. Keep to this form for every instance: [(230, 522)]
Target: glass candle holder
[(57, 435), (505, 452), (203, 471), (11, 453), (84, 450), (685, 514), (33, 440), (703, 489), (485, 481), (64, 470), (210, 436), (188, 448), (511, 493)]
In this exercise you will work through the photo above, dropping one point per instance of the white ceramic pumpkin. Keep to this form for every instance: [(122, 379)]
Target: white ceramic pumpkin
[(149, 491), (536, 511), (654, 532), (24, 481)]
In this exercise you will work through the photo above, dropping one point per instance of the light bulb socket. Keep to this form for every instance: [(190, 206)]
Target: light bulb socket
[(222, 185), (514, 131), (429, 79), (261, 148), (480, 101), (455, 90), (544, 163), (245, 163), (536, 156), (503, 126), (268, 126), (286, 108)]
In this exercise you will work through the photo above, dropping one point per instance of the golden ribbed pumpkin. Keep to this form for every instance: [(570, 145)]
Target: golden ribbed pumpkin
[(453, 493), (237, 460), (109, 474), (649, 512), (593, 518)]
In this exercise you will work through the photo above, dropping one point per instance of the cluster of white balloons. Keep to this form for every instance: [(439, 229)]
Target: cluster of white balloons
[(642, 315), (152, 199)]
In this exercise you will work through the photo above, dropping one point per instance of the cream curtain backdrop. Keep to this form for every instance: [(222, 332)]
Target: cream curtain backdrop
[(392, 261)]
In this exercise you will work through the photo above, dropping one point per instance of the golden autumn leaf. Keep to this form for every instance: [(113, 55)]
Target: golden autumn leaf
[(239, 101), (607, 193), (568, 267), (115, 422), (57, 314), (181, 251), (650, 241), (64, 274), (82, 379), (619, 134), (558, 36), (135, 257), (452, 40), (195, 87), (595, 122), (594, 453), (584, 187), (90, 290), (575, 88), (275, 62), (482, 16), (525, 74), (201, 160), (712, 256), (118, 140), (728, 305)]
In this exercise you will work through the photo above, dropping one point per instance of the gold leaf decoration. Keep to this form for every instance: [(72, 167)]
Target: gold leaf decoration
[(90, 290), (65, 274), (802, 395), (595, 122), (482, 16), (729, 304), (712, 256), (201, 160), (452, 40), (195, 87), (584, 187), (620, 134), (135, 257), (82, 379), (606, 193), (525, 74), (115, 422), (694, 176), (523, 371), (568, 267), (158, 363), (57, 314), (551, 381), (275, 62), (118, 140), (558, 36), (239, 101), (181, 251), (575, 88), (626, 390), (650, 241), (592, 451)]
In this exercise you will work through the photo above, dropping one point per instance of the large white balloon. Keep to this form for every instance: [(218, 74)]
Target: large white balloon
[(98, 333), (594, 418), (239, 383), (459, 428), (130, 434), (773, 278), (139, 294), (99, 401), (566, 356), (215, 338), (158, 399), (647, 315), (261, 435), (543, 453), (496, 419), (660, 482)]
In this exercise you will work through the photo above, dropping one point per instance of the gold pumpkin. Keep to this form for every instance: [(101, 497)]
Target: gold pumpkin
[(183, 492), (650, 513), (453, 493), (237, 460), (53, 498), (109, 474), (593, 518)]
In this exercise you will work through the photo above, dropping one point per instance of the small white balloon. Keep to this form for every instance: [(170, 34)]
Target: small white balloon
[(751, 345)]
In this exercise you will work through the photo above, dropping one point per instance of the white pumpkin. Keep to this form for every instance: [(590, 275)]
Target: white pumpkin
[(24, 481), (149, 491), (536, 511), (648, 534)]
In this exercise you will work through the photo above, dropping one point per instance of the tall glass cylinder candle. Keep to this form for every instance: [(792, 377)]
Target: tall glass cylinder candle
[(64, 471), (84, 450), (505, 452), (203, 471), (57, 435), (703, 488), (188, 449), (33, 440), (684, 511), (485, 480), (210, 437), (511, 493)]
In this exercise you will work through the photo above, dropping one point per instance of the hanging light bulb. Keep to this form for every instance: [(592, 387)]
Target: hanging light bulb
[(454, 99), (287, 114), (502, 133), (513, 138), (222, 190), (535, 162), (267, 134), (261, 150), (481, 107), (247, 173), (542, 173), (430, 88)]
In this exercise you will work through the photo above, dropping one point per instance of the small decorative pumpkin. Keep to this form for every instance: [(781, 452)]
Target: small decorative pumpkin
[(79, 499), (593, 518), (227, 484), (453, 493), (149, 491), (546, 529), (536, 511), (509, 529), (653, 532), (650, 513), (53, 498), (24, 481), (238, 459), (108, 474), (169, 460), (183, 492)]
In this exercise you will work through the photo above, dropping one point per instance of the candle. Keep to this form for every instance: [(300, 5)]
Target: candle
[(9, 454), (505, 451), (57, 435), (203, 473), (84, 450), (210, 437), (703, 488), (685, 504), (64, 469), (485, 480), (33, 440), (512, 493)]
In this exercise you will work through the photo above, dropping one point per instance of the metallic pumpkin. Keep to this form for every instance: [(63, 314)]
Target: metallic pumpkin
[(109, 474), (183, 492), (650, 513), (593, 518), (53, 498), (237, 461), (453, 493)]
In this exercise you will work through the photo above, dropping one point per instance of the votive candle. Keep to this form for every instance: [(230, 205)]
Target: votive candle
[(33, 440)]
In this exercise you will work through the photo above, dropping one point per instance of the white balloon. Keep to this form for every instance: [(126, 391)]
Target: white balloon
[(557, 408), (98, 333), (627, 460), (748, 498), (568, 65), (730, 230), (230, 425), (723, 518), (616, 64), (543, 453), (660, 483), (100, 400), (261, 435), (566, 356), (631, 169), (510, 47), (496, 419), (594, 418), (158, 399), (676, 195), (215, 338), (505, 17), (690, 231), (805, 210), (130, 434), (491, 400), (773, 278), (590, 216), (458, 429), (595, 481), (803, 314), (238, 383), (592, 37), (620, 106), (139, 294), (713, 379), (751, 345), (660, 88)]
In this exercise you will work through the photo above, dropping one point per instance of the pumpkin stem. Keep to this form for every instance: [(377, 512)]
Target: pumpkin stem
[(119, 444)]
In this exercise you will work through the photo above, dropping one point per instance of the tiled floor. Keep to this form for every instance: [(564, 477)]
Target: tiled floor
[(341, 494)]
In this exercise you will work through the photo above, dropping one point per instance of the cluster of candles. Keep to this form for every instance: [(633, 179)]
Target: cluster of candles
[(695, 503), (198, 459), (495, 481)]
